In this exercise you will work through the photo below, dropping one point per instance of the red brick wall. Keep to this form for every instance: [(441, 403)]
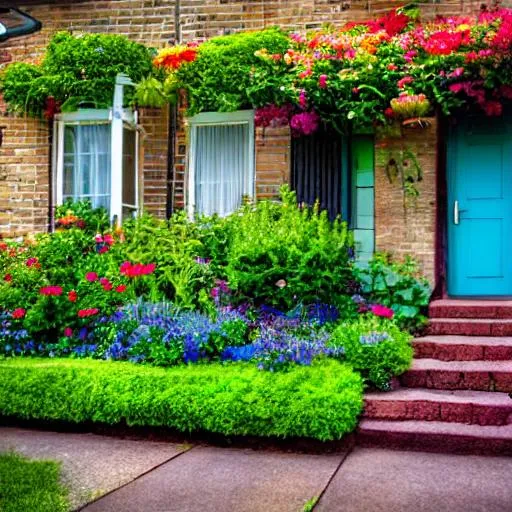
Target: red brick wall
[(408, 226)]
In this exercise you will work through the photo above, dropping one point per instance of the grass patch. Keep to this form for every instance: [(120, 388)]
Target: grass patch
[(30, 485), (321, 401)]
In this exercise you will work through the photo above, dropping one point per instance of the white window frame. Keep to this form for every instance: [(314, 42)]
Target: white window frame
[(218, 118), (127, 119)]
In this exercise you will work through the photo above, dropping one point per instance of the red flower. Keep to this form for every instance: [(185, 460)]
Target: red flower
[(389, 112), (91, 276), (383, 311), (322, 81), (444, 43), (33, 262), (3, 246), (68, 332), (137, 269), (103, 249), (84, 313), (121, 288), (7, 278), (18, 313), (51, 290), (108, 239), (107, 285), (72, 296), (392, 67)]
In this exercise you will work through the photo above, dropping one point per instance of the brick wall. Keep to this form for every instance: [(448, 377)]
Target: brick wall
[(408, 226), (24, 161)]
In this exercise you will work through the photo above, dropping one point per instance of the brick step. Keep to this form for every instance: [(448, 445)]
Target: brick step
[(469, 375), (469, 327), (469, 407), (436, 436), (451, 308), (464, 348)]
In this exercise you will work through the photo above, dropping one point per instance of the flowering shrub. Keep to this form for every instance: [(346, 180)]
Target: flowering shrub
[(362, 73), (375, 347)]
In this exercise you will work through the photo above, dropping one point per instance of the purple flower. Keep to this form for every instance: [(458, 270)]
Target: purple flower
[(305, 123)]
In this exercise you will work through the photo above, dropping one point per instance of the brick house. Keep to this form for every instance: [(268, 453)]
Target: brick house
[(166, 171)]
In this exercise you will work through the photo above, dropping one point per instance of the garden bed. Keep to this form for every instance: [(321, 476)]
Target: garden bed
[(321, 401)]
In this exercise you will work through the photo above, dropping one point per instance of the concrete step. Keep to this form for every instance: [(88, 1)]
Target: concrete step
[(469, 327), (468, 375), (436, 436), (459, 406), (453, 308), (464, 348)]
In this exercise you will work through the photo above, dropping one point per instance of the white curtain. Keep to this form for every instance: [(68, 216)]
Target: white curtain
[(87, 163), (222, 174)]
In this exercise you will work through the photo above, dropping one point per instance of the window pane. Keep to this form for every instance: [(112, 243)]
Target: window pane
[(222, 173), (87, 163), (129, 168)]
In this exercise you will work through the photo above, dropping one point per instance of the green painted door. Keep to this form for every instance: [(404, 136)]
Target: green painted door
[(362, 200)]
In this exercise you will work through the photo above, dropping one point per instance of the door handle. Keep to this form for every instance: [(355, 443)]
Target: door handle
[(456, 213)]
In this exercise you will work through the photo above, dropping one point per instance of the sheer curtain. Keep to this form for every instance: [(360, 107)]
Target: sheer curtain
[(222, 174), (87, 163)]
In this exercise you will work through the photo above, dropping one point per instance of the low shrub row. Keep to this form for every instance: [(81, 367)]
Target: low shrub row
[(321, 401)]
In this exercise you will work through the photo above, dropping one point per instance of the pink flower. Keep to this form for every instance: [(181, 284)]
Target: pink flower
[(404, 81), (51, 291), (306, 73), (408, 56), (137, 269), (350, 54), (305, 123), (382, 311), (98, 238), (32, 262), (456, 72), (18, 313), (68, 332), (103, 249), (108, 239), (303, 102), (91, 276), (322, 81), (493, 108), (107, 285)]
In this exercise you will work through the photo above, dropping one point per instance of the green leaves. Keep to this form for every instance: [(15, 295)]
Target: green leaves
[(321, 401)]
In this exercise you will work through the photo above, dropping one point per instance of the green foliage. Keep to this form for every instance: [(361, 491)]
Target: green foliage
[(321, 401), (280, 254), (95, 220), (397, 285), (75, 70), (309, 506), (218, 80), (30, 485), (375, 347)]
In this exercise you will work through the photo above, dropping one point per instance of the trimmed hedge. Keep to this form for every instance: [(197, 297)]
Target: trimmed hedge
[(321, 401)]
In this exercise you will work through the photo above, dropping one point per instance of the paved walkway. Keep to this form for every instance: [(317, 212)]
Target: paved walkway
[(136, 476)]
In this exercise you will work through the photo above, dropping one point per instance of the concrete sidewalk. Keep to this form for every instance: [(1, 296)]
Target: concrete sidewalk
[(163, 477)]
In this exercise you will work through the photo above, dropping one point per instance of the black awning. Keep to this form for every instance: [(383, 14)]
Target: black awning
[(15, 23)]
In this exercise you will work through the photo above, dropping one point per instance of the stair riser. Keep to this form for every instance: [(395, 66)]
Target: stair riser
[(448, 352), (440, 328), (467, 413), (501, 312), (470, 380), (439, 443)]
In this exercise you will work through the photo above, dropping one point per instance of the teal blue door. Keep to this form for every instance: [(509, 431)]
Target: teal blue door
[(480, 208)]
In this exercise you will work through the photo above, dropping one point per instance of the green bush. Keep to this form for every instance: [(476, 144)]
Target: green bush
[(398, 285), (375, 347), (75, 69), (280, 255), (321, 401), (30, 485), (220, 78)]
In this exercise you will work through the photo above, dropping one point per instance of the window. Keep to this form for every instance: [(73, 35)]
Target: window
[(14, 23), (84, 160), (221, 163)]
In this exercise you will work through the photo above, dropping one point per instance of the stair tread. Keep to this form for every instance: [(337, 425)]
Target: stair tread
[(492, 398), (462, 366), (437, 427), (471, 303), (466, 340), (503, 321)]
